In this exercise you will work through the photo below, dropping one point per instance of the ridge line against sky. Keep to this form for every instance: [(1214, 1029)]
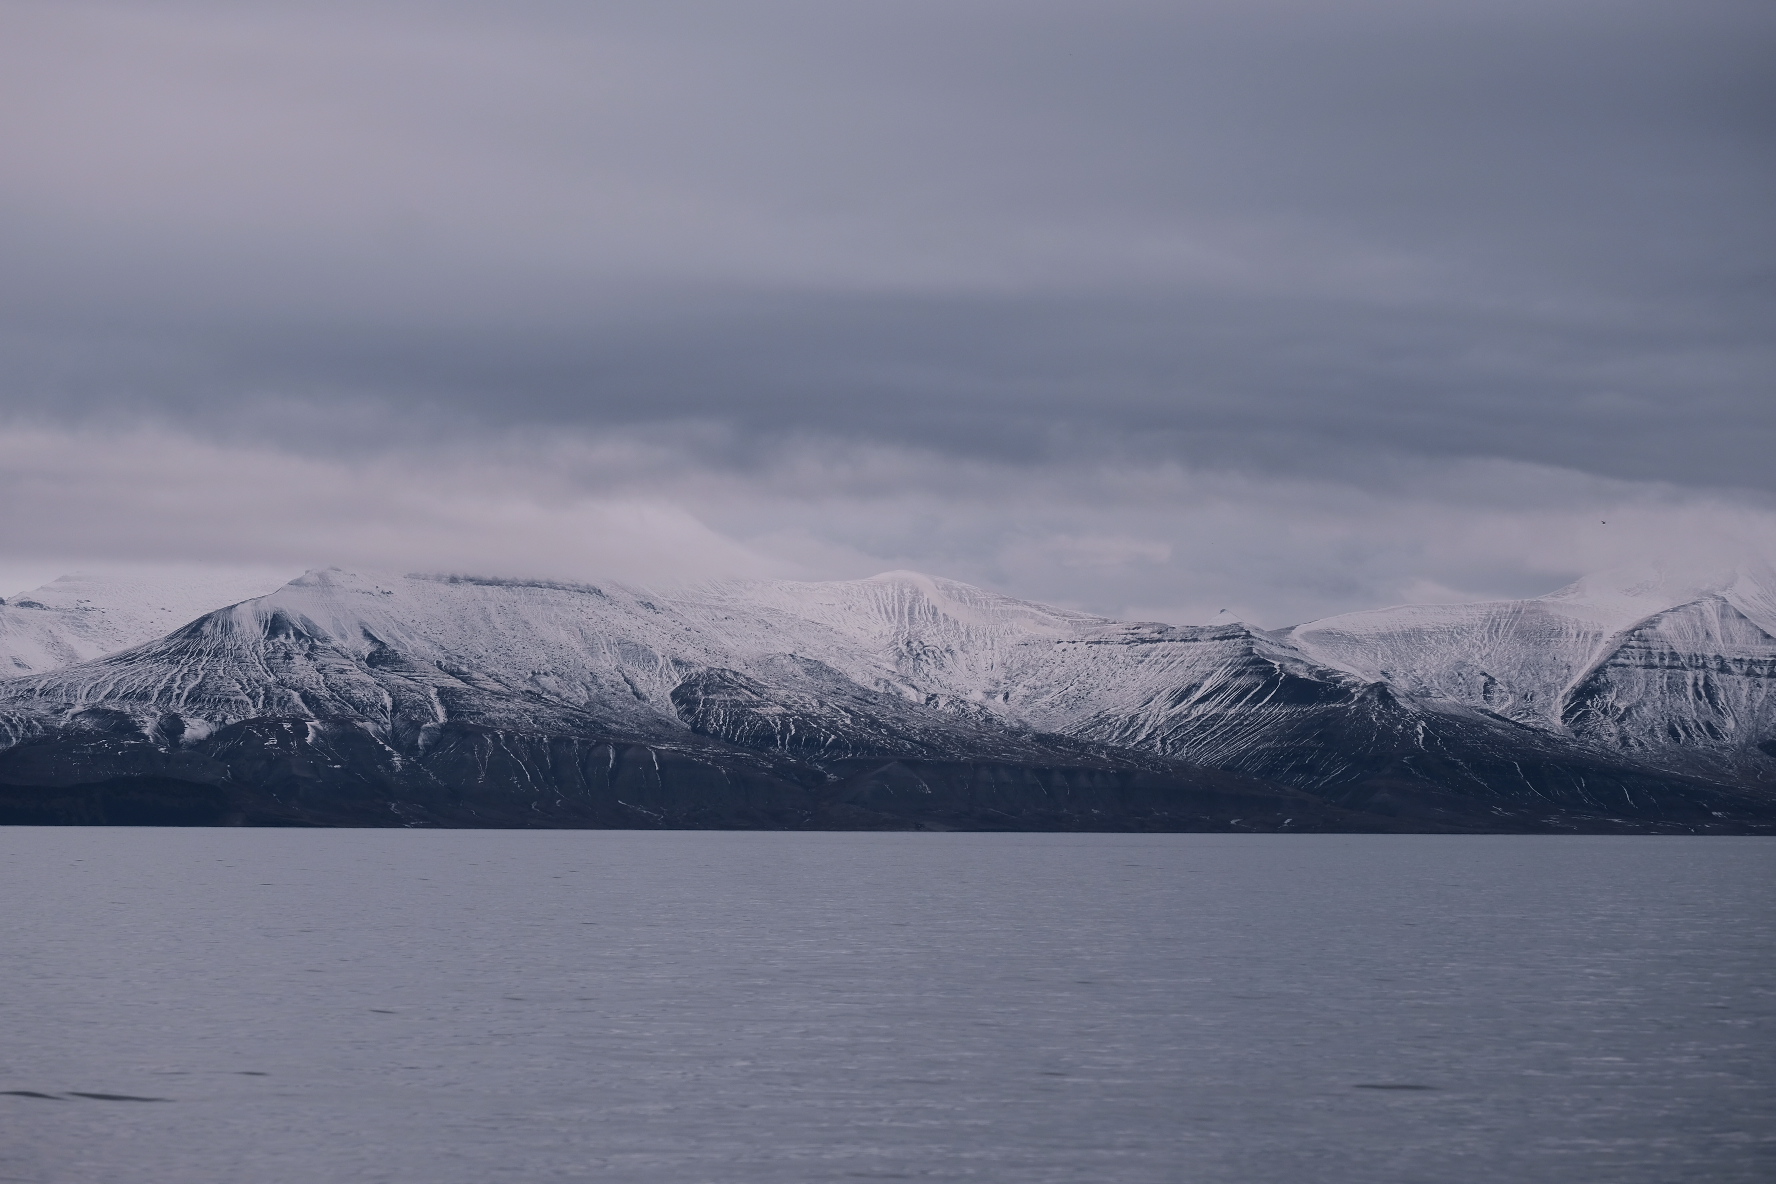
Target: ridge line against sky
[(1151, 309)]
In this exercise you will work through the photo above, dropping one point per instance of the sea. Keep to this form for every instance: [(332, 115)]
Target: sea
[(227, 1006)]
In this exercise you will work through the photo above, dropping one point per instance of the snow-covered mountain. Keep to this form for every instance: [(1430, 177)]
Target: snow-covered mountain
[(84, 616), (1666, 665), (426, 695)]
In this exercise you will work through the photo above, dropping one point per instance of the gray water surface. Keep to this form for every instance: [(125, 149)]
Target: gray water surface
[(458, 1007)]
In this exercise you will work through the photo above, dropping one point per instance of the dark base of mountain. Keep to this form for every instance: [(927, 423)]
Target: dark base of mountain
[(285, 772)]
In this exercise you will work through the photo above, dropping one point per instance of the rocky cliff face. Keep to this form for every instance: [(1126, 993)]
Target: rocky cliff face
[(899, 701)]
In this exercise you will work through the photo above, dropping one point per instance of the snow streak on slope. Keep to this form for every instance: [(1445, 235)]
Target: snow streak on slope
[(84, 616)]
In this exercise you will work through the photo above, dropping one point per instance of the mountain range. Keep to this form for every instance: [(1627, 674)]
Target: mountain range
[(1621, 704)]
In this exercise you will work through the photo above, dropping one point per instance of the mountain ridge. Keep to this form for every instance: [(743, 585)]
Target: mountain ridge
[(818, 698)]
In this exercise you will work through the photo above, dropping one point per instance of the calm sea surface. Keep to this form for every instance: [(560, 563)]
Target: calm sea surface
[(459, 1007)]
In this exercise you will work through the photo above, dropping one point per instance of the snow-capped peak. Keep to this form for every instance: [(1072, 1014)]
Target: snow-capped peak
[(84, 615)]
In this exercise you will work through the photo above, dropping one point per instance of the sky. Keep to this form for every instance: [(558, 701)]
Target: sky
[(1154, 309)]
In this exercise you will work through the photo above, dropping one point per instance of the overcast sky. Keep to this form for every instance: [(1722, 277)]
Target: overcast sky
[(1151, 308)]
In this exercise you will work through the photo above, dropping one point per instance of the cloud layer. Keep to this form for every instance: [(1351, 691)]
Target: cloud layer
[(1153, 540), (1138, 305)]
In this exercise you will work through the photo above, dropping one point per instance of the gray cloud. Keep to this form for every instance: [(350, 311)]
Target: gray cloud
[(1151, 539), (1350, 244)]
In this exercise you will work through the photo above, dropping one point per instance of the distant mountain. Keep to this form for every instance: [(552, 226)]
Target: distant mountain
[(904, 701), (1677, 671)]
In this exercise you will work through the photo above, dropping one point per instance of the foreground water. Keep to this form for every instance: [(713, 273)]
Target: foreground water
[(444, 1007)]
